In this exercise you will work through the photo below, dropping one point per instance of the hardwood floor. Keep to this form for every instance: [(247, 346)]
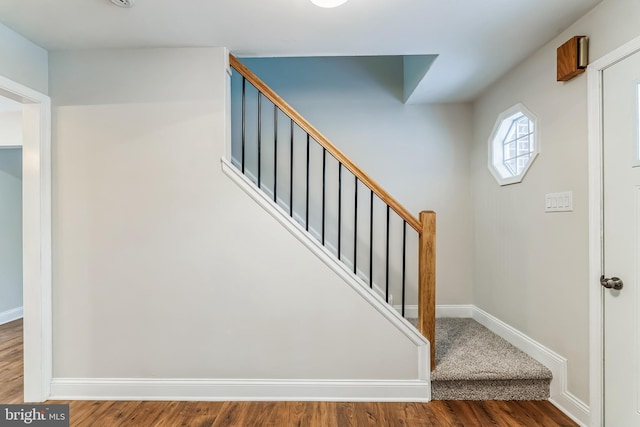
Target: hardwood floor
[(11, 366), (278, 414)]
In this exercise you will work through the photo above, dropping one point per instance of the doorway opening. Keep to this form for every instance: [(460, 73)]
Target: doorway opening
[(35, 166), (10, 210)]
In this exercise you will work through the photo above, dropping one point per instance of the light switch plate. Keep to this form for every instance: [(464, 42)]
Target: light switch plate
[(558, 202)]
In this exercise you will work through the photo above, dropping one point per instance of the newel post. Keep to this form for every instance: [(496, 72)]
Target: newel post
[(427, 281)]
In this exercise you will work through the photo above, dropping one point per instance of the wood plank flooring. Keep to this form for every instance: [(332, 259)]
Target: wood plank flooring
[(278, 414), (11, 366)]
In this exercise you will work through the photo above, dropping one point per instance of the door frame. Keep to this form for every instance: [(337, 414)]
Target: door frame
[(36, 237), (596, 229)]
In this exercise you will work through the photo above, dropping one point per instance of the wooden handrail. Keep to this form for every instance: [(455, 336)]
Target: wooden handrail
[(323, 141)]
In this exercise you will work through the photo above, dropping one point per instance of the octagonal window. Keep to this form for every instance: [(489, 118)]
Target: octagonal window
[(513, 145)]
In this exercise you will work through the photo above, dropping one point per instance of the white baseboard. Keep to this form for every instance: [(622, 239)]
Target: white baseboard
[(560, 396), (11, 315), (573, 407), (458, 311), (464, 311), (239, 390), (410, 311), (578, 412)]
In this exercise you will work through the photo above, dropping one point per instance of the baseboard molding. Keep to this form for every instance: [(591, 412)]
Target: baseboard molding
[(238, 390), (11, 315), (410, 311), (573, 407), (578, 412), (459, 311)]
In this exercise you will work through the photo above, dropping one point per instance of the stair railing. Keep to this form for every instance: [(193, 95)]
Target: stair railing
[(424, 225)]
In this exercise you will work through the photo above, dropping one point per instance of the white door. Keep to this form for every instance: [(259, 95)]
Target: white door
[(621, 242)]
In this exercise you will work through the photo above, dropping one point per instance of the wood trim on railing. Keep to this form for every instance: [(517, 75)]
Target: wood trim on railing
[(323, 141), (427, 280)]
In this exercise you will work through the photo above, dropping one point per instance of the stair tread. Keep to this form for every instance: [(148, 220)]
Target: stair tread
[(467, 351)]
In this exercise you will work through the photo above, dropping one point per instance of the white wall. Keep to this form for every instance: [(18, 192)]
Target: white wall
[(23, 61), (10, 128), (10, 229), (419, 153), (530, 266), (163, 268)]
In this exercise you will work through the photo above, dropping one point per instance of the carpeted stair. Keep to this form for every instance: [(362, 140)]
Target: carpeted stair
[(473, 363)]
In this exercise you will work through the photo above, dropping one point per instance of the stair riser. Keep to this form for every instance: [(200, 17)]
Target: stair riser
[(490, 390)]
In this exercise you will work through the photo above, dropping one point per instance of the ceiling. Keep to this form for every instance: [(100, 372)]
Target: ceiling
[(476, 41)]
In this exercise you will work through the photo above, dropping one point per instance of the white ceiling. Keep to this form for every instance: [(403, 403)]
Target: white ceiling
[(477, 41)]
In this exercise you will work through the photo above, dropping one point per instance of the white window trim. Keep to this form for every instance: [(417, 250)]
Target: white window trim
[(491, 156)]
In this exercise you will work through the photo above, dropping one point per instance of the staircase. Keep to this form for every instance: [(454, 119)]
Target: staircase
[(473, 363), (363, 227)]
